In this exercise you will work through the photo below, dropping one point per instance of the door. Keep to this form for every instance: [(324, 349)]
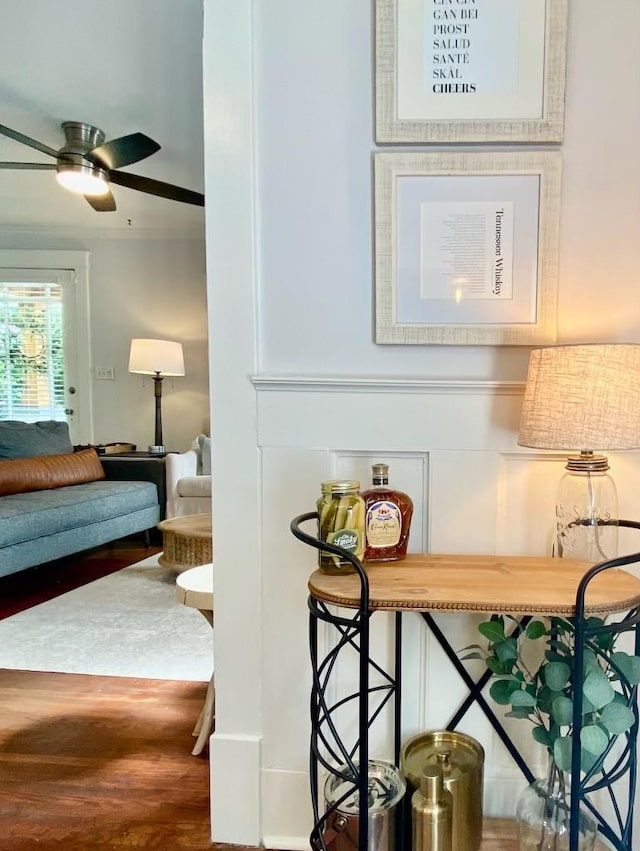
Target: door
[(43, 341)]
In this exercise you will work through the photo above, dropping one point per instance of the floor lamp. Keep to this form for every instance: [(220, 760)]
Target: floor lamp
[(585, 398), (158, 358)]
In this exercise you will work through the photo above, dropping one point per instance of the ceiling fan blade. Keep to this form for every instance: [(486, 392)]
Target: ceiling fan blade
[(125, 150), (27, 140), (38, 166), (156, 187), (102, 203)]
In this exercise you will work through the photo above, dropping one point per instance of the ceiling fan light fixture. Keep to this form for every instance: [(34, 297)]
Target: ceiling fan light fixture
[(83, 179), (87, 165)]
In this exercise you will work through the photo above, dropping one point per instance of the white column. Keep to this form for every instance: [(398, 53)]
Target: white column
[(229, 189)]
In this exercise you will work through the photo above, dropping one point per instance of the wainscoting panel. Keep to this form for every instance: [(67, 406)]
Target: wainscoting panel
[(453, 448)]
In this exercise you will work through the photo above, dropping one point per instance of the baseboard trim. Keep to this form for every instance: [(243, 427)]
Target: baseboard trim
[(287, 815), (235, 789), (286, 843)]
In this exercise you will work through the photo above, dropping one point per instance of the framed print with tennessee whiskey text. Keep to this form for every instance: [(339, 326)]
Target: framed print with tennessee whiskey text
[(470, 70), (466, 247)]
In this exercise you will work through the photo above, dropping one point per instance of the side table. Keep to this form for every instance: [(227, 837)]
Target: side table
[(136, 467), (194, 588)]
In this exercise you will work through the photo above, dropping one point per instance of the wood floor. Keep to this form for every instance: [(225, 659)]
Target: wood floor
[(499, 835), (92, 763), (100, 763)]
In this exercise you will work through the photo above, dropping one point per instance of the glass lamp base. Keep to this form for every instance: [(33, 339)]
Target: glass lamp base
[(587, 510)]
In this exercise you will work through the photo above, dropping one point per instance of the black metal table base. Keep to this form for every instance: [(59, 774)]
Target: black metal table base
[(350, 762)]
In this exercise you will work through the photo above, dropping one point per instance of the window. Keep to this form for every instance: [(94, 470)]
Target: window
[(32, 383), (45, 358)]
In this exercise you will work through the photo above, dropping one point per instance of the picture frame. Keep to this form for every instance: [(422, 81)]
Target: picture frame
[(470, 71), (466, 247)]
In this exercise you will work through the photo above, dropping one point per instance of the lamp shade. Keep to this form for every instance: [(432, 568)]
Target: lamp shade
[(151, 357), (584, 397)]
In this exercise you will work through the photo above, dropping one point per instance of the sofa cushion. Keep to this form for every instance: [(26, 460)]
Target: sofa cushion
[(29, 516), (22, 475), (23, 440), (194, 486)]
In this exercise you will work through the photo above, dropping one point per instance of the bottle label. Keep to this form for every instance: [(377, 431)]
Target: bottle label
[(383, 524)]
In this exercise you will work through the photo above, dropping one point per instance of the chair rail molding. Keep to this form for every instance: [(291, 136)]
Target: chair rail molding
[(373, 384)]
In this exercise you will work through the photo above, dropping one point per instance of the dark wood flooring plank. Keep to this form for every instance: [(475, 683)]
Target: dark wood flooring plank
[(100, 763)]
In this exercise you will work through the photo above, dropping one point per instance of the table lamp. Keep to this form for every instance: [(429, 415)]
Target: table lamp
[(586, 398), (158, 358)]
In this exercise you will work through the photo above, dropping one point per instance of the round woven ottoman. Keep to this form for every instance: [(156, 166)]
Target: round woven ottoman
[(186, 541)]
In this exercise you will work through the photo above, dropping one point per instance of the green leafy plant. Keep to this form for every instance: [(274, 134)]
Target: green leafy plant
[(544, 692)]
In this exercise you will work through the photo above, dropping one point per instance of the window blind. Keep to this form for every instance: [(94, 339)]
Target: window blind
[(31, 352)]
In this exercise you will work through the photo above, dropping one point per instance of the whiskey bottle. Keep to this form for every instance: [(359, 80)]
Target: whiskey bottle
[(388, 515)]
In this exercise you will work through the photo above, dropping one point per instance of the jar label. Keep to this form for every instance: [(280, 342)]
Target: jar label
[(383, 524), (348, 539)]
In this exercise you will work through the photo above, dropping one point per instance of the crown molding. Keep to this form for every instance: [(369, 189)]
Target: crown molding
[(100, 233)]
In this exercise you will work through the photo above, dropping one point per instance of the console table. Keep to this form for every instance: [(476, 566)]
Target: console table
[(431, 583)]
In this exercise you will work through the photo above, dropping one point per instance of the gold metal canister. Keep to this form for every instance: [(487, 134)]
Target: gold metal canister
[(431, 813), (461, 760)]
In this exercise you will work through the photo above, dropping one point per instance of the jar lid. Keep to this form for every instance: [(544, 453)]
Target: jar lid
[(457, 755), (386, 787), (339, 486)]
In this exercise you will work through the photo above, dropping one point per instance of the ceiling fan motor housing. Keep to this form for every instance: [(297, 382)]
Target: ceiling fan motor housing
[(74, 156), (80, 138)]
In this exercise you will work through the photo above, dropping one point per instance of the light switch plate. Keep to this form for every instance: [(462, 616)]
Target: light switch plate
[(105, 373)]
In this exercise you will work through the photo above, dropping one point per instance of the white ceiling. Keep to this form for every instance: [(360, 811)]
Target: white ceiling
[(124, 66)]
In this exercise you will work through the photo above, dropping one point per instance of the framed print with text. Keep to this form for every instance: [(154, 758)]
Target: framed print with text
[(466, 247), (470, 70)]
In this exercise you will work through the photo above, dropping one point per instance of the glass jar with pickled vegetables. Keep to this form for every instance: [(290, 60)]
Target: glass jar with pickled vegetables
[(340, 522)]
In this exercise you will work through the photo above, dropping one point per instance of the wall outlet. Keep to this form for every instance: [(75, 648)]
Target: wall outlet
[(105, 373)]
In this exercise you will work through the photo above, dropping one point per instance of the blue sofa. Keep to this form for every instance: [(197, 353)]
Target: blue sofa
[(38, 526)]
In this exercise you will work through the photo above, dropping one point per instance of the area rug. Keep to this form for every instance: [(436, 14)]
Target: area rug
[(127, 624), (35, 585)]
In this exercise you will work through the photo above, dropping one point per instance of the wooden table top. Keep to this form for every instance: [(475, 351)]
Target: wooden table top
[(480, 583), (194, 587)]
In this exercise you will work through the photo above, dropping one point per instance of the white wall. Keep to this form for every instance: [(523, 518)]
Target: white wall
[(314, 141), (288, 133), (141, 288)]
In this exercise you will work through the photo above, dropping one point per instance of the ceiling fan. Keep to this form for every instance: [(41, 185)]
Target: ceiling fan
[(87, 164)]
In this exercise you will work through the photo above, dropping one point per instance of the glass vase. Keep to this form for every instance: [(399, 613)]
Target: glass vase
[(543, 816)]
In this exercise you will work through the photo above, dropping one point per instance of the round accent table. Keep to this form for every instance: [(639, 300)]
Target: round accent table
[(186, 541), (194, 587)]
